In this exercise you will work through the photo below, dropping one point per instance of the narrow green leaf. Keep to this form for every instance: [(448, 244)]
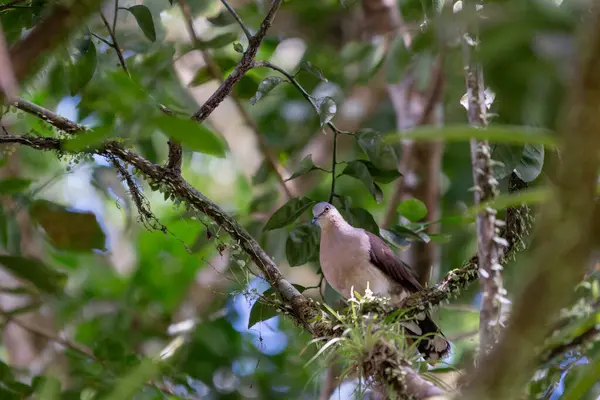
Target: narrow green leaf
[(529, 196), (143, 17), (68, 230), (302, 245), (42, 276), (267, 84), (82, 71), (260, 312), (359, 170), (288, 213), (401, 236), (312, 69), (14, 185), (327, 109), (89, 139), (531, 163), (129, 385), (201, 76), (262, 174), (219, 41), (306, 165), (495, 133), (191, 134), (412, 209), (382, 155)]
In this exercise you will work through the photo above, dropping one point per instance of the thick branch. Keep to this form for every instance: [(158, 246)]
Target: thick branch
[(488, 247), (562, 246), (395, 374)]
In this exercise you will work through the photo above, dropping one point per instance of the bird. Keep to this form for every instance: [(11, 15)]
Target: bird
[(355, 259)]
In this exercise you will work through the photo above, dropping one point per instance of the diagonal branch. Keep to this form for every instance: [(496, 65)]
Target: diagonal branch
[(245, 64), (395, 373), (216, 73)]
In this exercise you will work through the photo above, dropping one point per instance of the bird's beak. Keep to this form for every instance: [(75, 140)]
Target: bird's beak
[(316, 218)]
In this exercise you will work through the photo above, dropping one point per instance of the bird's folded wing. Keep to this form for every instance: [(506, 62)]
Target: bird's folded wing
[(384, 258)]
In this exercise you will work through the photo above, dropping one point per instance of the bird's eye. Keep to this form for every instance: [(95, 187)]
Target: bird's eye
[(326, 209)]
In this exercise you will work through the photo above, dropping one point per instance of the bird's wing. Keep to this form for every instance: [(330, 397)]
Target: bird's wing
[(384, 258)]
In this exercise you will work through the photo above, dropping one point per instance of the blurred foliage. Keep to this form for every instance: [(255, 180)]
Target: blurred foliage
[(123, 292)]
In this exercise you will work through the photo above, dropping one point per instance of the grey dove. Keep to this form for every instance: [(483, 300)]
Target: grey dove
[(350, 257)]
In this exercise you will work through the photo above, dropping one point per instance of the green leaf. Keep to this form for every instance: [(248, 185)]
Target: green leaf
[(126, 387), (531, 163), (495, 133), (529, 196), (359, 170), (327, 109), (267, 84), (262, 174), (42, 276), (361, 218), (423, 70), (143, 17), (306, 165), (302, 245), (91, 138), (372, 61), (506, 158), (82, 71), (261, 312), (401, 236), (203, 75), (68, 230), (288, 213), (14, 185), (192, 134), (312, 69), (398, 59), (219, 41), (237, 46), (382, 155), (412, 209)]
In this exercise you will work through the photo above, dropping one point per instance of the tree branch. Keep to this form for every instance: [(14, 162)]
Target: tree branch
[(395, 373), (562, 244), (488, 245), (217, 74), (245, 64), (237, 19), (113, 37)]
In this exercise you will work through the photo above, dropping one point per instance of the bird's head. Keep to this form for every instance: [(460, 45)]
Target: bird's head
[(325, 214)]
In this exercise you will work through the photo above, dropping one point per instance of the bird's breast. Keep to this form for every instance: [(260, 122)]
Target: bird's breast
[(346, 264)]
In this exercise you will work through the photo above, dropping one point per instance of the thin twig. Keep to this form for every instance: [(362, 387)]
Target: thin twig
[(100, 38), (10, 4), (116, 14), (311, 100), (245, 64), (238, 19), (115, 43)]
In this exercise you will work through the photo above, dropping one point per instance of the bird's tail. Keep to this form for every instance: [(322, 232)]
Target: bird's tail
[(432, 343)]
